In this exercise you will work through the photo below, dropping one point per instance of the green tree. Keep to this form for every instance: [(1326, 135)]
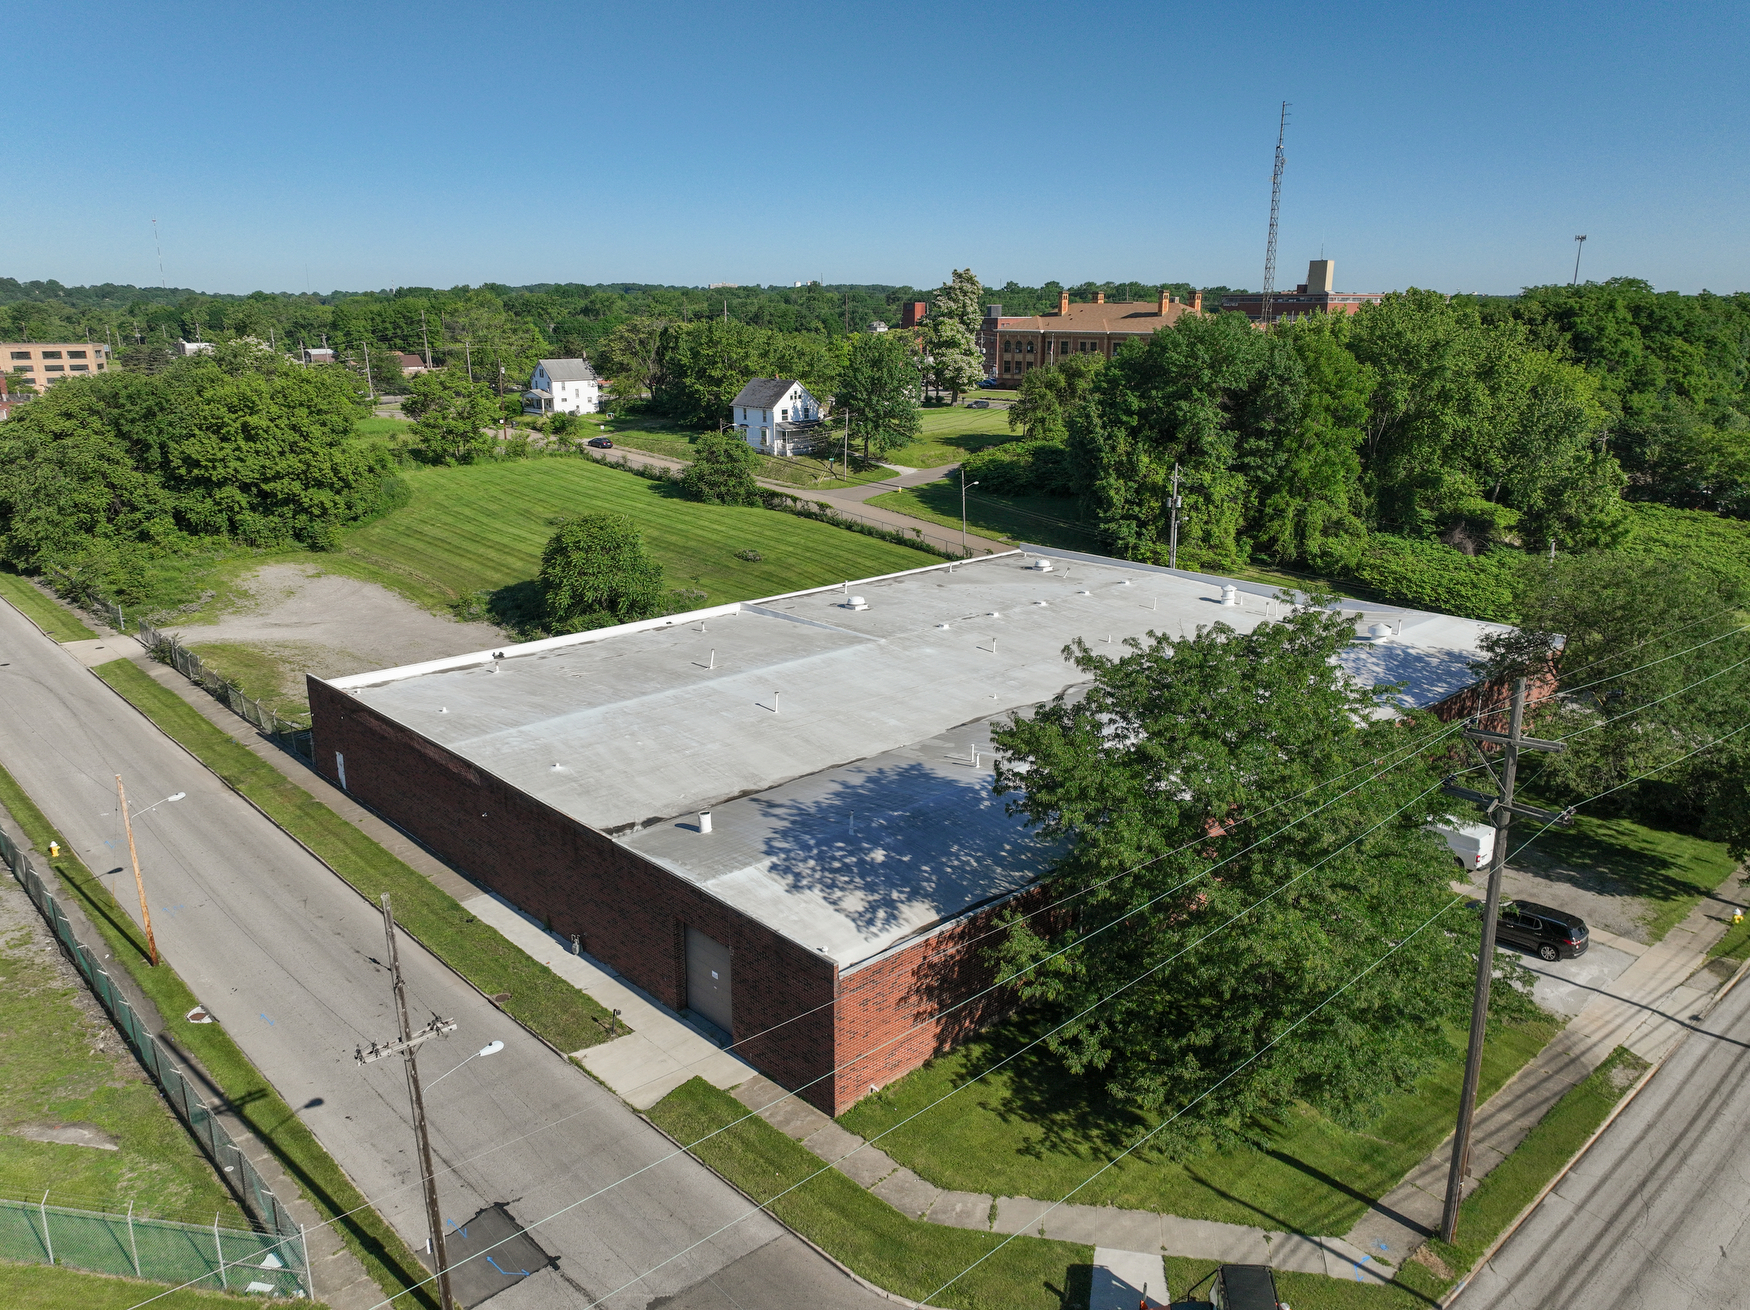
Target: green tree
[(954, 361), (1049, 394), (449, 414), (1149, 779), (960, 299), (595, 573), (879, 389), (630, 358), (722, 471)]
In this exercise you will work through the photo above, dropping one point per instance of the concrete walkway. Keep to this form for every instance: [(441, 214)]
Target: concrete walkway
[(1646, 1008)]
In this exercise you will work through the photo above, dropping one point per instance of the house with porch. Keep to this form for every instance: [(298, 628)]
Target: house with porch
[(563, 386), (777, 416)]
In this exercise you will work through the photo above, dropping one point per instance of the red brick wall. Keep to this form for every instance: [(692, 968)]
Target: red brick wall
[(631, 913), (1493, 699)]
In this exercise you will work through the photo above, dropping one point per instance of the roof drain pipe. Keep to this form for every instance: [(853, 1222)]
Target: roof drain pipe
[(704, 821)]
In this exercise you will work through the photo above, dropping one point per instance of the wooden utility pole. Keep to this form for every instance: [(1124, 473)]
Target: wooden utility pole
[(1173, 506), (121, 795), (425, 337), (1500, 807), (409, 1042)]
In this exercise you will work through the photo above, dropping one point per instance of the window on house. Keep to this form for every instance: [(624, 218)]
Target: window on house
[(1029, 347), (24, 368), (54, 368), (81, 368), (75, 354), (21, 354), (51, 354), (783, 416)]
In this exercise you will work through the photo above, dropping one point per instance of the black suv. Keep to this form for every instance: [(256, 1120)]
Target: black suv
[(1552, 934)]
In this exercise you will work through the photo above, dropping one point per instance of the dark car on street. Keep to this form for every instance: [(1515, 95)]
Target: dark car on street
[(1244, 1287), (1548, 933), (990, 383), (600, 443)]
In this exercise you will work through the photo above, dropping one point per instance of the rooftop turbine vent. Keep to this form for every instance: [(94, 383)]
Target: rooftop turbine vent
[(856, 603)]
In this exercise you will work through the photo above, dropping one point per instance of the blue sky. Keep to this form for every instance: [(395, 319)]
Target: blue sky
[(1459, 146)]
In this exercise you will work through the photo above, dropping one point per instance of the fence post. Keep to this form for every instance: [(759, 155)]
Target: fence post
[(46, 1242), (132, 1244), (220, 1251), (309, 1273)]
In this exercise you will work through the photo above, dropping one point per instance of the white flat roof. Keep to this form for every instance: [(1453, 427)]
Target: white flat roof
[(788, 716)]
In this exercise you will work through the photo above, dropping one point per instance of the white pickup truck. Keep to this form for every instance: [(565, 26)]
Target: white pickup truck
[(1471, 844)]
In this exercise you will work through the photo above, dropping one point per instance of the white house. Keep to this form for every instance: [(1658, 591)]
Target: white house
[(777, 416), (563, 386)]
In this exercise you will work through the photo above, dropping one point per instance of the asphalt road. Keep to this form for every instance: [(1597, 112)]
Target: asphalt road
[(285, 955), (1654, 1216)]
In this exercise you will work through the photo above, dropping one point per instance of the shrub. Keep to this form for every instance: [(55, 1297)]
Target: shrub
[(721, 472), (1022, 468), (595, 572), (751, 556), (1432, 576)]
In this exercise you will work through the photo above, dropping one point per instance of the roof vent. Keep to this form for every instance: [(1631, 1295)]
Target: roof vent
[(443, 709), (992, 614), (704, 820), (1084, 592), (1377, 632), (1042, 565), (1041, 602), (856, 603), (942, 626), (1230, 595)]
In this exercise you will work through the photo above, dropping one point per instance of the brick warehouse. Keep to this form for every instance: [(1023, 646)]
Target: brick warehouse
[(776, 815)]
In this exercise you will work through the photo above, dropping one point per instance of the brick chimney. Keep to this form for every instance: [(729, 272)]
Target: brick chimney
[(1165, 301), (1099, 297), (1196, 302), (1063, 302)]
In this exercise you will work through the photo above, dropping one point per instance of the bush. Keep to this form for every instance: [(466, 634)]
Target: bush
[(595, 572), (1022, 468), (721, 472), (751, 556), (1430, 576)]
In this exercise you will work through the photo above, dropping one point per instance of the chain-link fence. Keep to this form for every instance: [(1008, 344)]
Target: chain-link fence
[(281, 1230), (161, 1250), (295, 737)]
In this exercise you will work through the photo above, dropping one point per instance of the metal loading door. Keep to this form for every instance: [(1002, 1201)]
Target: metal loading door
[(708, 981)]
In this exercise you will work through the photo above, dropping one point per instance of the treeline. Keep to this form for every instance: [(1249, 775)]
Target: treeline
[(106, 478)]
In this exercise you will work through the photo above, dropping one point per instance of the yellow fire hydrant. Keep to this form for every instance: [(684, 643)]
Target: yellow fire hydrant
[(1738, 915), (54, 850)]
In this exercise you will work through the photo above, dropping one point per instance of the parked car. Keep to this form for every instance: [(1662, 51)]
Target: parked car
[(1244, 1287), (989, 383), (601, 443), (1471, 844), (978, 404), (1552, 934)]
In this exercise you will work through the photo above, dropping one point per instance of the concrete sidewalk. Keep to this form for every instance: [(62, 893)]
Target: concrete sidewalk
[(1646, 1008)]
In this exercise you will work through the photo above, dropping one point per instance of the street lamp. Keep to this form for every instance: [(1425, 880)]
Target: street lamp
[(491, 1048), (964, 484), (134, 858), (1580, 245)]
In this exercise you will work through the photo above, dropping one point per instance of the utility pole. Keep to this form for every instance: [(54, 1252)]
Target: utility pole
[(963, 485), (407, 1045), (1578, 248), (425, 337), (1500, 808), (1269, 295), (1173, 505), (121, 795), (369, 385), (847, 443)]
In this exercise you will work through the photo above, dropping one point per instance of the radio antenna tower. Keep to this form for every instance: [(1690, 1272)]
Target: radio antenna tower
[(1275, 207), (163, 281)]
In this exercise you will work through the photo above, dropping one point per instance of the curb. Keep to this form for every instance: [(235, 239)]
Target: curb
[(1621, 1105)]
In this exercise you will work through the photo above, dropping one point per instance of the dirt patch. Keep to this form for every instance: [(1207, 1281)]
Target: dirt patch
[(307, 621), (67, 1135), (1433, 1264), (1602, 901)]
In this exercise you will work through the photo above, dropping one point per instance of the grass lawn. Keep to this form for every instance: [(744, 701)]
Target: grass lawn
[(1029, 1129), (481, 528), (55, 619), (263, 675), (38, 1287), (384, 1255), (658, 436), (902, 1255), (540, 998), (1668, 871), (63, 1062), (389, 428), (950, 435), (1046, 520)]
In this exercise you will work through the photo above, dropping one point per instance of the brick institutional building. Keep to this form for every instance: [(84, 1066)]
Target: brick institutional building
[(776, 816), (1015, 345), (1314, 296)]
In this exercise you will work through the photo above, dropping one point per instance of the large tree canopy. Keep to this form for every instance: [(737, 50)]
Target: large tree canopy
[(595, 573), (240, 446), (1161, 780), (879, 389)]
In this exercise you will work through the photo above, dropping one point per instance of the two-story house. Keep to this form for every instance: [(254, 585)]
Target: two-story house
[(563, 386), (777, 416)]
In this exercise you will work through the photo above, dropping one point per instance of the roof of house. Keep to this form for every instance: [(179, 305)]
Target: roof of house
[(1112, 316), (763, 393), (569, 370), (834, 745)]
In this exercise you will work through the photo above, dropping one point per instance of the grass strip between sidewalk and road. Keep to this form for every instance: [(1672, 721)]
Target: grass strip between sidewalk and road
[(906, 1256), (54, 619), (1516, 1181), (39, 1287), (386, 1258), (543, 1002)]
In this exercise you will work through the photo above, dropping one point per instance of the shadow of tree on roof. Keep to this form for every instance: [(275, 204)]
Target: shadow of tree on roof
[(899, 843)]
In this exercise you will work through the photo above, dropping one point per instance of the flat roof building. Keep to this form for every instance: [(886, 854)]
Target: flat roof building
[(1314, 296), (777, 814), (42, 362)]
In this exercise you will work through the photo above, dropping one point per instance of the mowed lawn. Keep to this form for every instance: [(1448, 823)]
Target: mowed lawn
[(949, 435), (482, 527)]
